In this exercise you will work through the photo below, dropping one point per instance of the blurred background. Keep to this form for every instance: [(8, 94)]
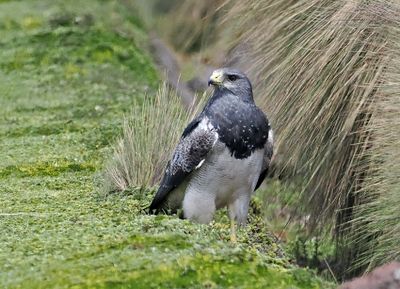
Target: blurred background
[(108, 82)]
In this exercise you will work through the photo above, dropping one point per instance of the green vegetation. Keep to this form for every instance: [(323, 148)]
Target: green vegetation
[(69, 71)]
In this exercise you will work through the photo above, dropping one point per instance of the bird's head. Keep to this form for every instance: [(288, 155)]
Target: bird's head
[(232, 80)]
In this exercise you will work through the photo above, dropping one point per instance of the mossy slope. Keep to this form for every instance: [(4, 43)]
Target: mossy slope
[(68, 72)]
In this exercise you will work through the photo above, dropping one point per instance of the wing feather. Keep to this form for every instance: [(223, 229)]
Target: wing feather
[(196, 142), (268, 152)]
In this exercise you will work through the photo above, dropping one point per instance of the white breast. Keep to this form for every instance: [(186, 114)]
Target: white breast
[(223, 177)]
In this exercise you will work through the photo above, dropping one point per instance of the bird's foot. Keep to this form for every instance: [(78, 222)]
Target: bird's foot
[(233, 232), (233, 238)]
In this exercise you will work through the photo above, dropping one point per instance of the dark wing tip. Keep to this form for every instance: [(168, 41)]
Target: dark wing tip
[(159, 198), (261, 179), (168, 183), (153, 209)]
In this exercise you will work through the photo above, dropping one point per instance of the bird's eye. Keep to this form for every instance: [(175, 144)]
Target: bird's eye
[(232, 77)]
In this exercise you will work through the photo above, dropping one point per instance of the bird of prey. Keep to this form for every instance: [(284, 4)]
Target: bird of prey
[(222, 157)]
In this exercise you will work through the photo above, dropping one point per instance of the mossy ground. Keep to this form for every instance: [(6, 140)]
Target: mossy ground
[(69, 70)]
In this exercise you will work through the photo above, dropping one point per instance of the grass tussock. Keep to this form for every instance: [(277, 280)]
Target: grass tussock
[(377, 222), (149, 136), (326, 72)]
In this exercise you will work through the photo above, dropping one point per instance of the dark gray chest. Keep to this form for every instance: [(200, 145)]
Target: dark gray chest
[(242, 127)]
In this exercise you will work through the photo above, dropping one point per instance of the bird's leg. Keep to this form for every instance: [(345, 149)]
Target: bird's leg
[(238, 213), (233, 231)]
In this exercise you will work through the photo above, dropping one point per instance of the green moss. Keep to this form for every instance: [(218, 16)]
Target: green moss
[(68, 47), (101, 136), (205, 271), (45, 169), (46, 129), (158, 252)]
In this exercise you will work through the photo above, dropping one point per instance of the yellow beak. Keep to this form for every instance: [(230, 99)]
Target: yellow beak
[(216, 78)]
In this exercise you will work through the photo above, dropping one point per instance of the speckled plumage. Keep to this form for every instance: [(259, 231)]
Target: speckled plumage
[(242, 126), (222, 157)]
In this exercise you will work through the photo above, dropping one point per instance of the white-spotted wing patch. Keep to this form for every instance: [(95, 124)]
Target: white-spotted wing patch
[(193, 148)]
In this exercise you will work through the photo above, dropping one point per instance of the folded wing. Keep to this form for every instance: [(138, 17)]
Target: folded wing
[(268, 152), (196, 142)]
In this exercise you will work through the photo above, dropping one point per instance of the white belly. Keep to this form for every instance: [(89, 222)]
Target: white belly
[(222, 178)]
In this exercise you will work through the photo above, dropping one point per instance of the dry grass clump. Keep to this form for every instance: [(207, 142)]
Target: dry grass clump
[(149, 135), (376, 225), (326, 72)]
